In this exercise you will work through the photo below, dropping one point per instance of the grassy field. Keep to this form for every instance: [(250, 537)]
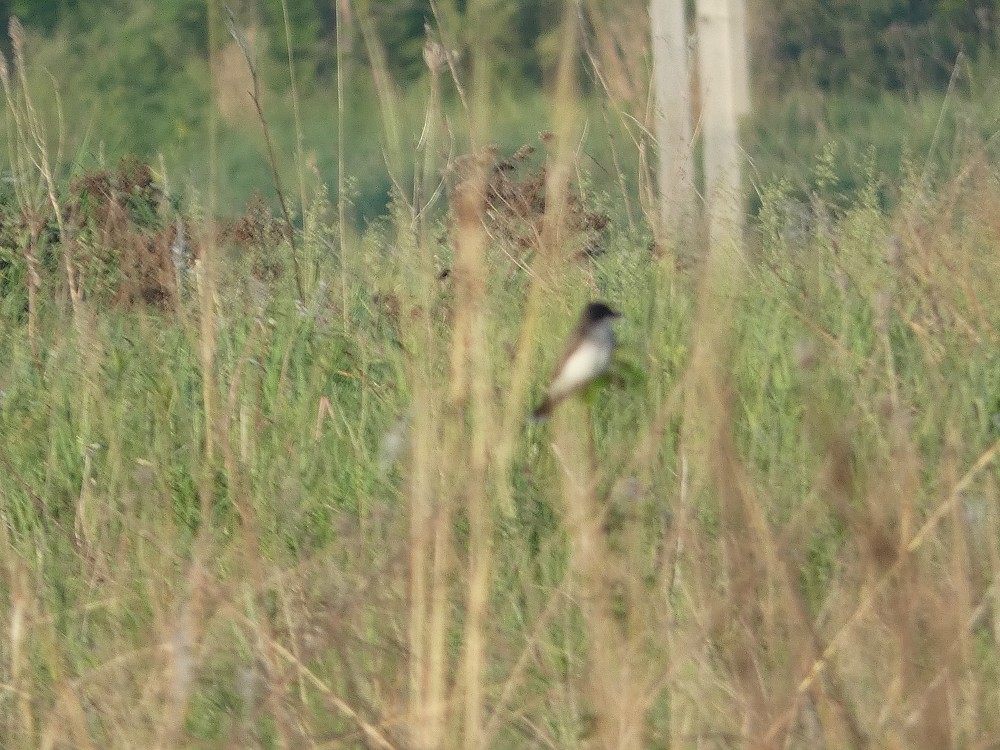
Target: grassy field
[(288, 496)]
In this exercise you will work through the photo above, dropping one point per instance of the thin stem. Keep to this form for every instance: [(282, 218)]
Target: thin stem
[(272, 161), (340, 168)]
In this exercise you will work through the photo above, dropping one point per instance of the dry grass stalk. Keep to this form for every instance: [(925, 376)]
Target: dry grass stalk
[(34, 181), (38, 153), (255, 96)]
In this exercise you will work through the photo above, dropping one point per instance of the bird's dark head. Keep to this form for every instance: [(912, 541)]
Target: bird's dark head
[(596, 312)]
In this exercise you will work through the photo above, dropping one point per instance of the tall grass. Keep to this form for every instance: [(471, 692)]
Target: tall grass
[(776, 525)]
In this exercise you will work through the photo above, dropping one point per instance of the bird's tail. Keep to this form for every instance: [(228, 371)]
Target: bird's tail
[(544, 410)]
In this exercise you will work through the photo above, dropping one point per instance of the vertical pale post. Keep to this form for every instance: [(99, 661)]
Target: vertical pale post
[(673, 108), (718, 118), (741, 72)]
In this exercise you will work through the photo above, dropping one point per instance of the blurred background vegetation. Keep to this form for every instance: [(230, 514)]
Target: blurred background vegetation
[(867, 78)]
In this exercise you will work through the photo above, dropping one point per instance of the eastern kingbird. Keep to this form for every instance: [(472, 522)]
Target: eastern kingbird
[(587, 356)]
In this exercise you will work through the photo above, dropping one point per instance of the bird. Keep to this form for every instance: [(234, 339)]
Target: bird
[(587, 356)]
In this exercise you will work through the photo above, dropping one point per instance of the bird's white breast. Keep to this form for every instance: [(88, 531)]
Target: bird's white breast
[(589, 360)]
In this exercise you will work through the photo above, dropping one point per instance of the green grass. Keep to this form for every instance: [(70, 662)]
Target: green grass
[(167, 596)]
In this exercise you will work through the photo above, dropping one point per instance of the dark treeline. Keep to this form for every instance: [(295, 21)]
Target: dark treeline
[(873, 44), (864, 45)]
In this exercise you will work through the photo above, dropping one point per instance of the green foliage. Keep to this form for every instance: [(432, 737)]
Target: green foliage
[(875, 45), (44, 16), (311, 27), (145, 85), (867, 47)]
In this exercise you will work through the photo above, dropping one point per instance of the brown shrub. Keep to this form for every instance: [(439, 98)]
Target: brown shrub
[(514, 203), (121, 244)]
